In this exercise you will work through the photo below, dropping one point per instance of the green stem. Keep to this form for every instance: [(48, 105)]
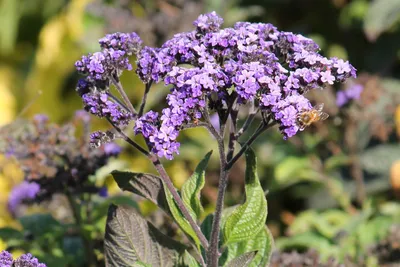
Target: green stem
[(87, 242)]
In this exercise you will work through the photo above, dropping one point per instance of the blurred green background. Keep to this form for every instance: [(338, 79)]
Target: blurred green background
[(339, 175)]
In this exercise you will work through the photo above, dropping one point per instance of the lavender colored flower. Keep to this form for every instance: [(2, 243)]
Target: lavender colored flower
[(82, 115), (27, 260), (209, 22), (100, 67), (6, 259), (101, 105), (251, 62), (112, 149), (21, 192), (83, 87), (341, 98), (41, 118), (351, 93), (130, 43)]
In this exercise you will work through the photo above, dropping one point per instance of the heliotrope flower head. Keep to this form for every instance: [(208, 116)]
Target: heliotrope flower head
[(212, 67), (55, 158), (130, 43), (101, 105), (101, 67), (6, 259), (25, 260)]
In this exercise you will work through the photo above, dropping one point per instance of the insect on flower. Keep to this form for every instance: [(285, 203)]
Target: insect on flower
[(306, 118)]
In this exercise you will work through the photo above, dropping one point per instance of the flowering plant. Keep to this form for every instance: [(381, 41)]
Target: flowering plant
[(252, 68), (59, 168)]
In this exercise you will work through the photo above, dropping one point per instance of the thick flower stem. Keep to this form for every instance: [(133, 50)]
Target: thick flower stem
[(213, 251), (87, 242)]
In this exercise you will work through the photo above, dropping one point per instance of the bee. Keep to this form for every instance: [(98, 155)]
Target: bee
[(196, 121), (306, 118)]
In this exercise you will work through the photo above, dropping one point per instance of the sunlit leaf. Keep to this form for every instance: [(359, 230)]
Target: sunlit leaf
[(381, 16), (180, 219), (243, 260), (306, 241), (192, 187), (293, 170), (189, 260), (262, 243), (379, 159), (336, 161), (248, 219)]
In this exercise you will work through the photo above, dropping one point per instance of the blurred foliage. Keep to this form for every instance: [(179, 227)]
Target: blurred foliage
[(335, 186)]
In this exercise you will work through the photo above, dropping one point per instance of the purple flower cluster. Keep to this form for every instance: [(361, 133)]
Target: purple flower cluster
[(23, 191), (54, 157), (130, 43), (112, 149), (6, 259), (261, 63), (162, 140), (210, 68), (352, 92), (101, 69), (26, 260), (101, 105)]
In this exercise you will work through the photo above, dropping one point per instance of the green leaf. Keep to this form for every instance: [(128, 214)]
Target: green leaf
[(145, 185), (381, 16), (293, 170), (8, 233), (379, 159), (40, 224), (180, 219), (130, 240), (336, 161), (12, 236), (306, 241), (73, 247), (248, 219), (192, 187), (151, 187), (141, 264), (189, 260), (206, 226), (243, 260), (262, 243)]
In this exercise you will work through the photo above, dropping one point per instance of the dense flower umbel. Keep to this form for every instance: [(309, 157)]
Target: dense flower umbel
[(101, 105), (251, 62), (6, 259), (54, 159), (25, 260)]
